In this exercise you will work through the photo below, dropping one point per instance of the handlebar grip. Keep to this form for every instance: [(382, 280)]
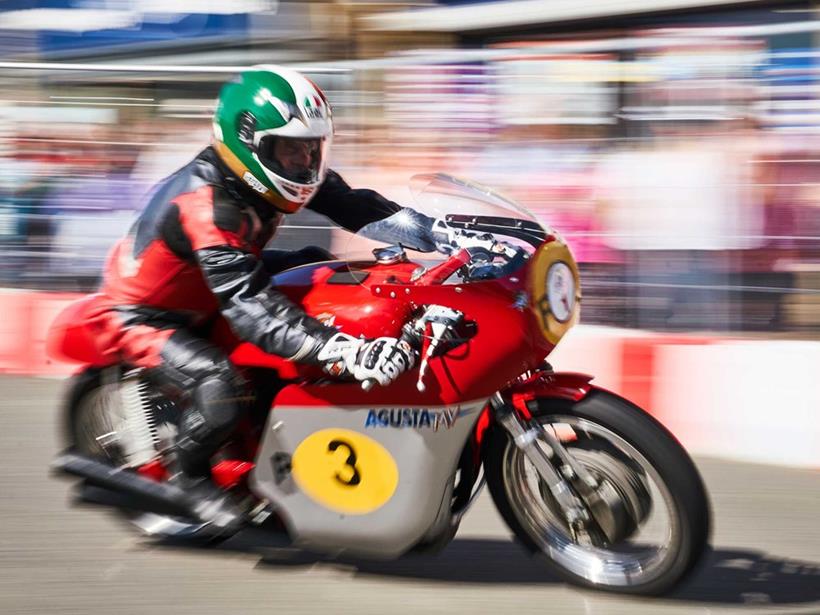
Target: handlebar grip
[(412, 337)]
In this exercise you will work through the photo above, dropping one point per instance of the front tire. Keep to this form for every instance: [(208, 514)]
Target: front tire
[(606, 427)]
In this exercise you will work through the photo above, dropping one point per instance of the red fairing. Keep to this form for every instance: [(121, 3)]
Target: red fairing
[(548, 385), (382, 303), (71, 337)]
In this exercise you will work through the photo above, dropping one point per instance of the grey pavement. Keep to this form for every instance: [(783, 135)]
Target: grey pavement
[(55, 558)]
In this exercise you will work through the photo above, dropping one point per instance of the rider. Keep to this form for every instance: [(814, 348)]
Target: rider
[(196, 250)]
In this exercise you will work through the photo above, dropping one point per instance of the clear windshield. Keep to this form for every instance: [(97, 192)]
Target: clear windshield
[(462, 204), (444, 193)]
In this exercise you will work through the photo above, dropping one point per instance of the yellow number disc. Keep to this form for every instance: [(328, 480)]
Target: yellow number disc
[(555, 288), (345, 471)]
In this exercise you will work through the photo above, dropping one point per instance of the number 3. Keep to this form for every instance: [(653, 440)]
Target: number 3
[(356, 478)]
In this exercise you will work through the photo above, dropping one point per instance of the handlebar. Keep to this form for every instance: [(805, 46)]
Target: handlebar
[(439, 273), (465, 257), (444, 324)]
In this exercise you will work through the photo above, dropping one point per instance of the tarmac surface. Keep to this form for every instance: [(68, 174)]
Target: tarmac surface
[(60, 559)]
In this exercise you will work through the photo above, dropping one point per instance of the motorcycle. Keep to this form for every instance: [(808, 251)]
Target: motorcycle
[(586, 480)]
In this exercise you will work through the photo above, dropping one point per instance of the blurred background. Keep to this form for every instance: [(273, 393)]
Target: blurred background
[(677, 150), (674, 143)]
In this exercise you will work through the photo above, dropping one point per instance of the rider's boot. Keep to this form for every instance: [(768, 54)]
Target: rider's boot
[(210, 503), (196, 442)]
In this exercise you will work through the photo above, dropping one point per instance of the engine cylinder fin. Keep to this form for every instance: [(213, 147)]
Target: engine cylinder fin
[(140, 440)]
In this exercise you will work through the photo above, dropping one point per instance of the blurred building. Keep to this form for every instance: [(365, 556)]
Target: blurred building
[(675, 147)]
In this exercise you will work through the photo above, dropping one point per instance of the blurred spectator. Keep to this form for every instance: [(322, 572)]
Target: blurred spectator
[(26, 228), (761, 277), (677, 204), (93, 209), (167, 146)]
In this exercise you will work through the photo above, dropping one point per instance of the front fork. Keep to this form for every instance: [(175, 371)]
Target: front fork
[(577, 492)]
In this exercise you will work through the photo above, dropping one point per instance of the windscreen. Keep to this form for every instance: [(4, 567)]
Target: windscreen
[(461, 204)]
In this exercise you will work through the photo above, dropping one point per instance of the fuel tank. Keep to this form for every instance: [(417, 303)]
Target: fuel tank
[(340, 295)]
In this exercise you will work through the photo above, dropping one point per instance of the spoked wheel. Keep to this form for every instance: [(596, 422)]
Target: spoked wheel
[(657, 517), (623, 485), (97, 425)]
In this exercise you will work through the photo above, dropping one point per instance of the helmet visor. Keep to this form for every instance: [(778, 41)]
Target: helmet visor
[(295, 159)]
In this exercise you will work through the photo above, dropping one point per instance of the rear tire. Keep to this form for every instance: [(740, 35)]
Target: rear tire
[(87, 417), (685, 498), (77, 428)]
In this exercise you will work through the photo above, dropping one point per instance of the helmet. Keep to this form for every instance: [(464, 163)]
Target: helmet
[(273, 129)]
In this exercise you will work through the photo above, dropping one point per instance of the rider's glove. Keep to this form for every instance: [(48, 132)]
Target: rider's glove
[(449, 239), (381, 360), (338, 352)]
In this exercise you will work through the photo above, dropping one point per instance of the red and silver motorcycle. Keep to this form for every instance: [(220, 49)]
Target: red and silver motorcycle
[(584, 478)]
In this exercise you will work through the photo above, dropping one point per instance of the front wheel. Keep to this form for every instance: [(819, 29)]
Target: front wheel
[(658, 502)]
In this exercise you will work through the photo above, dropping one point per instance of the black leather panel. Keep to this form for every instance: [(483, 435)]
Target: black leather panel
[(255, 311)]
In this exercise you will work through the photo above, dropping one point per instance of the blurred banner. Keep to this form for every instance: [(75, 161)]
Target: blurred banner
[(78, 26)]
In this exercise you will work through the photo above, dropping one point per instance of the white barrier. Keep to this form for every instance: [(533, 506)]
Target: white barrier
[(746, 400), (756, 401)]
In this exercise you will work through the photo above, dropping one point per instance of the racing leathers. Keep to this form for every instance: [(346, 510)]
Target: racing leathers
[(196, 251)]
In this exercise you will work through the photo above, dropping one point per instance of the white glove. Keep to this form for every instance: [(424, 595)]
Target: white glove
[(381, 360), (339, 352)]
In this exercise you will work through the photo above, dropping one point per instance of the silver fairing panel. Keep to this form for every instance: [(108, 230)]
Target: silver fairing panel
[(424, 443)]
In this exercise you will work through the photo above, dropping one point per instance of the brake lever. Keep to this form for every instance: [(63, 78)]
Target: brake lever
[(439, 330), (442, 321)]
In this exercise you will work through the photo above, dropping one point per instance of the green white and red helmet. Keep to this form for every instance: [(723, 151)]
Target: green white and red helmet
[(273, 129)]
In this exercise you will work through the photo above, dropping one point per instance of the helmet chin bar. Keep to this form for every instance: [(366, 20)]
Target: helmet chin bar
[(240, 171), (292, 191)]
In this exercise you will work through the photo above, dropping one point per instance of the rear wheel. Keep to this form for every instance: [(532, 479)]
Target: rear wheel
[(657, 503), (98, 424)]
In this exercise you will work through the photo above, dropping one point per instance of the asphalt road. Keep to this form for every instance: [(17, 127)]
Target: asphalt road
[(59, 559)]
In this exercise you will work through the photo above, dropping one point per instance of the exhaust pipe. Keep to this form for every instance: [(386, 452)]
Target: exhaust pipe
[(142, 493), (87, 494)]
